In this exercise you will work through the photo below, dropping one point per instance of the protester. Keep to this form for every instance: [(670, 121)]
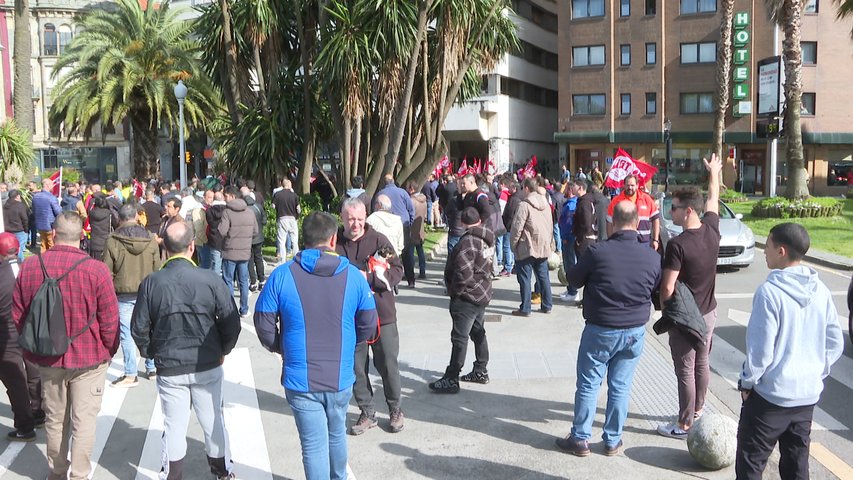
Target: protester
[(691, 258), (532, 241), (20, 377), (16, 220), (45, 210), (257, 274), (238, 228), (584, 225), (792, 339), (213, 216), (318, 305), (172, 216), (401, 202), (357, 191), (287, 212), (153, 211), (188, 331), (385, 221), (647, 209), (468, 276), (618, 277), (100, 223), (73, 383), (567, 237), (131, 254), (359, 242), (417, 235), (602, 202)]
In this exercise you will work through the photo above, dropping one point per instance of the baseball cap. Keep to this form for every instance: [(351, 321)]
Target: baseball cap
[(8, 244), (470, 216)]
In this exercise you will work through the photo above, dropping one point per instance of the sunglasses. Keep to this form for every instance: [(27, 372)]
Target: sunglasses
[(674, 207)]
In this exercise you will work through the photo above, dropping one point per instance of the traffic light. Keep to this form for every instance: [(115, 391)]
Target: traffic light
[(189, 157)]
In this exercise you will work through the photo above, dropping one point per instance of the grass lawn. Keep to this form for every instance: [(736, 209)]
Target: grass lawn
[(432, 238), (833, 234)]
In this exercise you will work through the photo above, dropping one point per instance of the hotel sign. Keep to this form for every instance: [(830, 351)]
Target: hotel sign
[(740, 59)]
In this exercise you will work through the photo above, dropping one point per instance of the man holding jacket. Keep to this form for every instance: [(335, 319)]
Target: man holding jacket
[(186, 320), (468, 277)]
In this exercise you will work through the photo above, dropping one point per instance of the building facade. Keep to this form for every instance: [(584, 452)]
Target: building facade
[(514, 117), (627, 66)]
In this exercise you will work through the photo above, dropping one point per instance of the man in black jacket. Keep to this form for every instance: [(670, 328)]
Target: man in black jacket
[(358, 243), (181, 298), (16, 220), (468, 277), (620, 276), (257, 275), (584, 225)]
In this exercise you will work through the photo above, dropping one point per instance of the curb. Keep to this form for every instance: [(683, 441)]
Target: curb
[(818, 257)]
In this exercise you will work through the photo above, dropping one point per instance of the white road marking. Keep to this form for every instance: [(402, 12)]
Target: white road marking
[(110, 406), (151, 459), (9, 454), (243, 417)]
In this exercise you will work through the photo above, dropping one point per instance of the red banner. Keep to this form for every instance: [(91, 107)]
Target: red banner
[(56, 178), (624, 165)]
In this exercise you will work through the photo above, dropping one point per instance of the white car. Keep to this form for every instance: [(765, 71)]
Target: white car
[(737, 242)]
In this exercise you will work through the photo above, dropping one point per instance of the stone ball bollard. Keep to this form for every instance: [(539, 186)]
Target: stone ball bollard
[(712, 441), (554, 261)]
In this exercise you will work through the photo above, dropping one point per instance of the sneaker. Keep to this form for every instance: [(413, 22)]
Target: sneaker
[(614, 450), (535, 298), (125, 381), (520, 313), (19, 436), (672, 430), (151, 374), (230, 476), (545, 310), (476, 377), (253, 287), (445, 385), (396, 420), (364, 423), (697, 415), (570, 444)]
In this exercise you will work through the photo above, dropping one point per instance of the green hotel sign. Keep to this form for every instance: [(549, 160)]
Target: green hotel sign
[(740, 59)]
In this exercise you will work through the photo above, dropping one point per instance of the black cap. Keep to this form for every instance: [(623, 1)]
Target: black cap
[(470, 216)]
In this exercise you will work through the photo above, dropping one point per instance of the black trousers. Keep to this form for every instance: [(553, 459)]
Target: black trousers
[(23, 385), (467, 323), (385, 352), (761, 425), (256, 264)]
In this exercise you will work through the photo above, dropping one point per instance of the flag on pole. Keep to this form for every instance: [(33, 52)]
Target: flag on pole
[(56, 178), (138, 189), (463, 169), (529, 170), (624, 165)]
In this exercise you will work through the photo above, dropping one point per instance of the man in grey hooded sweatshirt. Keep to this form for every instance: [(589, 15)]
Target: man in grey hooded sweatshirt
[(792, 339)]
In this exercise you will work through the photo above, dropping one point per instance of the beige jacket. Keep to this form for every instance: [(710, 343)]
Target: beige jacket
[(532, 232)]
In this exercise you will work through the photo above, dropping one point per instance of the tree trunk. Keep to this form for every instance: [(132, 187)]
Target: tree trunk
[(259, 71), (23, 97), (723, 75), (144, 143), (791, 50), (230, 61)]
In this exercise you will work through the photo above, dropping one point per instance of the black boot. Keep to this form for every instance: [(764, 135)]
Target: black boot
[(176, 470), (217, 467)]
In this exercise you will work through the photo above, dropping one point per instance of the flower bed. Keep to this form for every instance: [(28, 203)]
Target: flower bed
[(779, 207), (733, 196)]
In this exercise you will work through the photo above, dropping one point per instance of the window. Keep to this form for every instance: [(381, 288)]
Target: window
[(690, 7), (64, 38), (50, 158), (624, 8), (50, 47), (651, 53), (528, 92), (651, 103), (625, 102), (587, 8), (808, 107), (697, 103), (588, 104), (625, 55), (810, 6), (587, 56), (542, 18), (809, 52), (538, 56), (699, 52), (651, 7)]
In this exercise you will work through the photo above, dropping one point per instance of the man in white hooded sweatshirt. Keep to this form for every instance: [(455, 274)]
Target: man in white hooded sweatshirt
[(792, 339)]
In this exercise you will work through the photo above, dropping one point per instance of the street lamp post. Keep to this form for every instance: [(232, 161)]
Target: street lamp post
[(667, 136), (181, 95)]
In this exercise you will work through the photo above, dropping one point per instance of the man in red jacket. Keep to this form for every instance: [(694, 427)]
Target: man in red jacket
[(75, 379)]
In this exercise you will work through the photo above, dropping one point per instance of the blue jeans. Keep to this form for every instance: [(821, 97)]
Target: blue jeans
[(613, 351), (126, 302), (216, 261), (321, 421), (22, 244), (451, 242), (507, 257), (569, 259), (557, 236), (525, 270), (204, 256), (242, 269)]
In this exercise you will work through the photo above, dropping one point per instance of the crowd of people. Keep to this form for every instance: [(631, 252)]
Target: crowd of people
[(153, 270)]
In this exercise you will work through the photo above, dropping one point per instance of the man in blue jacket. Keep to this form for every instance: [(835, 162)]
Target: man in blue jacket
[(45, 210), (792, 339), (620, 276), (313, 310)]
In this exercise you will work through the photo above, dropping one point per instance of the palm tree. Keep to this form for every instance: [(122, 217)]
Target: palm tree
[(23, 96), (16, 149), (123, 66), (845, 10), (724, 67), (788, 15)]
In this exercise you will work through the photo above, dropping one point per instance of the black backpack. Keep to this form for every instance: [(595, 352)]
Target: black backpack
[(44, 332)]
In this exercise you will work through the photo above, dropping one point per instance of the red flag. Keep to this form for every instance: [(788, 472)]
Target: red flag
[(530, 169), (490, 166), (138, 189), (624, 165), (463, 169), (56, 178), (445, 162)]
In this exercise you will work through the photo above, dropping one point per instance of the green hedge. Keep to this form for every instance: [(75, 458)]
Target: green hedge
[(780, 207), (309, 203), (733, 196)]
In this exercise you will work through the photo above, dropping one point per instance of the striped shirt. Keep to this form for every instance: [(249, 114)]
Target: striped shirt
[(647, 210)]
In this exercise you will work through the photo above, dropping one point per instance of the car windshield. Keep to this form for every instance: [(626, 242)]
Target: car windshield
[(666, 210)]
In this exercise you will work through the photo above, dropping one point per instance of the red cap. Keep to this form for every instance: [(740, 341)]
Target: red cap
[(8, 244)]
